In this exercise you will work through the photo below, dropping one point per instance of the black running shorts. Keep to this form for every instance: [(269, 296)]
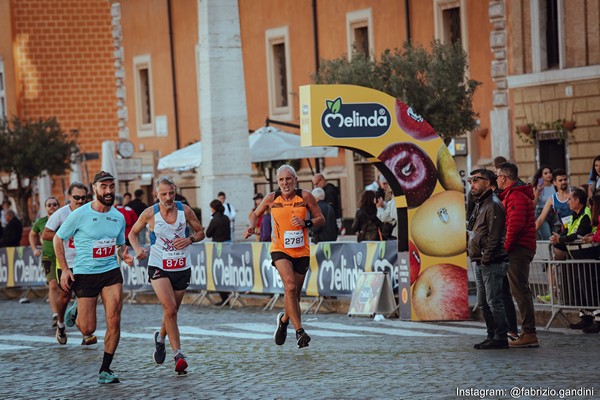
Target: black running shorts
[(300, 264), (90, 285), (180, 280)]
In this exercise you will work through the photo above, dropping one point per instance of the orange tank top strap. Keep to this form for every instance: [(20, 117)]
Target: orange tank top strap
[(287, 238)]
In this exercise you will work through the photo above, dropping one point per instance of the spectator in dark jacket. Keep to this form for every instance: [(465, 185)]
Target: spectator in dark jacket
[(486, 249), (517, 198), (366, 224), (219, 227), (11, 237), (328, 232), (137, 204), (219, 230), (266, 226), (332, 193)]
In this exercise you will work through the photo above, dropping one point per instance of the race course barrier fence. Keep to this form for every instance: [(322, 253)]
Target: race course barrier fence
[(236, 268)]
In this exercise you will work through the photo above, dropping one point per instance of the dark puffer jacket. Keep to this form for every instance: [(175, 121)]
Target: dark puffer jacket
[(520, 218)]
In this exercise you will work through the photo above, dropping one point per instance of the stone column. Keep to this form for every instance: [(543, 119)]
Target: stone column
[(119, 53), (223, 112), (500, 116)]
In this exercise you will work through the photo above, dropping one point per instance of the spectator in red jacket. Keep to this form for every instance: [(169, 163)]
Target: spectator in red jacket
[(130, 216), (520, 245)]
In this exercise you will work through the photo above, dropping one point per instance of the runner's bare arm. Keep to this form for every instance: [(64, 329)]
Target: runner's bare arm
[(48, 234), (542, 217), (66, 274), (33, 242), (258, 211), (145, 216)]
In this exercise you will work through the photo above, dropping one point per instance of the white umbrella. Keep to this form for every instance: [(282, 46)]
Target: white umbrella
[(183, 159), (265, 144), (44, 191), (75, 175), (271, 144)]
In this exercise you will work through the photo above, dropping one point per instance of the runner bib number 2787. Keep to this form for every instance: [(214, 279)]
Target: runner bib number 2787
[(293, 239)]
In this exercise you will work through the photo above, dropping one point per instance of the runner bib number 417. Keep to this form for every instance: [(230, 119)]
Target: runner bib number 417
[(293, 239), (104, 248)]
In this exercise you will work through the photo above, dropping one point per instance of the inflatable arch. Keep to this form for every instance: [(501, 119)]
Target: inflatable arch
[(428, 190)]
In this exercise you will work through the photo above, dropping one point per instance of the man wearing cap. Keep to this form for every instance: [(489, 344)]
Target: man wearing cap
[(98, 232)]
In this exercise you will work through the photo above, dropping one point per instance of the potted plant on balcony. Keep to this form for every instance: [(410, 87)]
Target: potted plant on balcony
[(558, 129)]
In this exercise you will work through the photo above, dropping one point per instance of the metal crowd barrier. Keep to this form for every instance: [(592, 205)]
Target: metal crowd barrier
[(563, 285)]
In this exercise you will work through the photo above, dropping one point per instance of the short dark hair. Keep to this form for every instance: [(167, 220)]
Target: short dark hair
[(217, 206), (499, 160), (486, 173), (558, 172), (580, 195), (510, 170), (77, 185), (138, 193), (221, 194)]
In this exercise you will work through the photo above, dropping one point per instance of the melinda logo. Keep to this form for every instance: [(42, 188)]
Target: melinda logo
[(355, 120)]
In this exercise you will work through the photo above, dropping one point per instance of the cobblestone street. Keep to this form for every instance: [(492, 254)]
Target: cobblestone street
[(232, 356)]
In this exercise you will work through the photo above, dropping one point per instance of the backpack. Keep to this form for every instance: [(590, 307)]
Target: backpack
[(369, 232)]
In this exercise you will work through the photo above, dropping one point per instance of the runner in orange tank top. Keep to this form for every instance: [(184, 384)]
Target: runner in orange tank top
[(290, 250)]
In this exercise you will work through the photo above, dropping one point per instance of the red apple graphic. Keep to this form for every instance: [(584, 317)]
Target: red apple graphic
[(415, 261), (413, 124), (413, 169), (441, 293)]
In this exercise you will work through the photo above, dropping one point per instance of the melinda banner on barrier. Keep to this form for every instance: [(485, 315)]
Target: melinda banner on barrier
[(236, 267)]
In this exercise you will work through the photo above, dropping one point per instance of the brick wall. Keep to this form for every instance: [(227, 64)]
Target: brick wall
[(65, 66)]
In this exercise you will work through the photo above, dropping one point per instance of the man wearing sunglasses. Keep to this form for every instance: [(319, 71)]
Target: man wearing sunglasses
[(486, 228), (76, 196), (48, 256)]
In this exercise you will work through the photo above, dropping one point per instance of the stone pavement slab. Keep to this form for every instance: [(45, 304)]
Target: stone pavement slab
[(232, 356)]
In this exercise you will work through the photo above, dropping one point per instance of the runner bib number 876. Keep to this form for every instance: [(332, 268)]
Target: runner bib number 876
[(173, 259), (104, 248), (293, 239)]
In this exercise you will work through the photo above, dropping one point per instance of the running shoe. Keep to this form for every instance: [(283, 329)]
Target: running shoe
[(160, 353), (61, 334), (108, 377), (180, 363), (281, 331), (302, 338), (54, 320), (89, 340), (71, 314)]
